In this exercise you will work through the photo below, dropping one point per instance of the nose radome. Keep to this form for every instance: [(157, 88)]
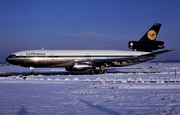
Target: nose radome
[(7, 59)]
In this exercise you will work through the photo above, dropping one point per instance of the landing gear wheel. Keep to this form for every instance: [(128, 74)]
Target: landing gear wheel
[(93, 71), (31, 73), (100, 72), (105, 72), (32, 70)]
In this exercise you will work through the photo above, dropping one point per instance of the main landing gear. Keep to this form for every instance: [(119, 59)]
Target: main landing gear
[(101, 71)]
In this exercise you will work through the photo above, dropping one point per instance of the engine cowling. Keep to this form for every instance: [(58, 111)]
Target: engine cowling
[(79, 67), (146, 46)]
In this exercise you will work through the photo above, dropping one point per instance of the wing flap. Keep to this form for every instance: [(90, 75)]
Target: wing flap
[(110, 60), (130, 59), (140, 58)]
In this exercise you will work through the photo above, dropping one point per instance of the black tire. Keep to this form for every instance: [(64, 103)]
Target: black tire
[(105, 72), (100, 72), (93, 72)]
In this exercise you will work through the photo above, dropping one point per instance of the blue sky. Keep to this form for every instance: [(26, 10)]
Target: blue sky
[(86, 24)]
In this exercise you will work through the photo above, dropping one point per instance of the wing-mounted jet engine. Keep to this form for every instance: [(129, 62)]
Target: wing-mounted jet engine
[(79, 67), (148, 41)]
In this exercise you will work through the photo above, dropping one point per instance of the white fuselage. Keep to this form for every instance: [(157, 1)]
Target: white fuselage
[(65, 58)]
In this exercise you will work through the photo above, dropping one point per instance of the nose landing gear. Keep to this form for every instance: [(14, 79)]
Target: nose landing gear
[(32, 70)]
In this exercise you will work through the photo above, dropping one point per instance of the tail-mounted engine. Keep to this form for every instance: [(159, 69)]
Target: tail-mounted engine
[(146, 46)]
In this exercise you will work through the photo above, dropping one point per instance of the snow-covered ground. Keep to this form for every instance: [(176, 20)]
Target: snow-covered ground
[(157, 91)]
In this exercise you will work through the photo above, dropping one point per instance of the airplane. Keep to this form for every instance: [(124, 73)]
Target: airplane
[(82, 60)]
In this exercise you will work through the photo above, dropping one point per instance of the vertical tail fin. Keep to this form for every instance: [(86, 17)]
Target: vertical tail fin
[(151, 34), (148, 41)]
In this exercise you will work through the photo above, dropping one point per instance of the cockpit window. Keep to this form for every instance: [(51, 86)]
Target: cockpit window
[(12, 56)]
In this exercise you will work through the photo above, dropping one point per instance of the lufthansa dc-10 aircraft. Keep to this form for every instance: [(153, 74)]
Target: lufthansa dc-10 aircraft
[(82, 60)]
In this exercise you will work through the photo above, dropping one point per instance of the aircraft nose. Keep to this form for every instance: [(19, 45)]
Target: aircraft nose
[(11, 59), (7, 59)]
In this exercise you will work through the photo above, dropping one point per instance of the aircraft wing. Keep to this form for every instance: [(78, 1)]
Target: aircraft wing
[(141, 58), (111, 60), (128, 60), (157, 53)]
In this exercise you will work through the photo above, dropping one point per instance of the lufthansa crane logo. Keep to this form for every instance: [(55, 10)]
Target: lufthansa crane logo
[(151, 35)]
